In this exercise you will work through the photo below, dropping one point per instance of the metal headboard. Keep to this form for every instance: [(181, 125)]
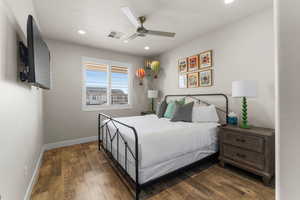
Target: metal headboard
[(194, 96)]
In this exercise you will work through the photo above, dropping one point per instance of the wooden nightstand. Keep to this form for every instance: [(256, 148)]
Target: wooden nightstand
[(147, 112), (250, 149)]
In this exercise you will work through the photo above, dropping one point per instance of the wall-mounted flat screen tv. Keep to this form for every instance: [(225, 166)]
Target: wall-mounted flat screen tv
[(38, 56)]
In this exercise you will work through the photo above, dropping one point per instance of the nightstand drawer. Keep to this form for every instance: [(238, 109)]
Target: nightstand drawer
[(244, 141), (247, 157)]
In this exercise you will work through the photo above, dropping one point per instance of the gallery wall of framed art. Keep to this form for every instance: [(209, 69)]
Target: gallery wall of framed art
[(196, 71)]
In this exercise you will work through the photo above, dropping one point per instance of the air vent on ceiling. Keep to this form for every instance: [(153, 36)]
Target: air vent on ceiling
[(115, 34)]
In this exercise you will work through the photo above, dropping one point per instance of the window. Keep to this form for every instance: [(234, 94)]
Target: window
[(106, 84)]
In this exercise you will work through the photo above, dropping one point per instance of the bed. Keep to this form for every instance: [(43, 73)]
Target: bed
[(146, 148)]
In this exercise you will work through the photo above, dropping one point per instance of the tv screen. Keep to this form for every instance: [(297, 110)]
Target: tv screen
[(38, 56)]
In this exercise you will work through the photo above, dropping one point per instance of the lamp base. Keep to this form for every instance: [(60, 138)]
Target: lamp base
[(152, 104), (245, 126)]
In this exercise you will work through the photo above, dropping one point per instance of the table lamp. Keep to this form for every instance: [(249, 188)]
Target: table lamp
[(244, 89), (152, 94)]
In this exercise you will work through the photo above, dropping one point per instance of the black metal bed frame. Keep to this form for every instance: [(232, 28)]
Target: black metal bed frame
[(135, 154)]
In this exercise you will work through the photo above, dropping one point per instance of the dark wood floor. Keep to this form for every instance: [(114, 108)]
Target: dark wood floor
[(80, 172)]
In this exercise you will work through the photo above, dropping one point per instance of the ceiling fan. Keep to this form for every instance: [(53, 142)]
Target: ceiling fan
[(138, 23)]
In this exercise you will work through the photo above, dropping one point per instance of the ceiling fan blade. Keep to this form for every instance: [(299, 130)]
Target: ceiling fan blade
[(133, 36), (131, 17), (161, 33)]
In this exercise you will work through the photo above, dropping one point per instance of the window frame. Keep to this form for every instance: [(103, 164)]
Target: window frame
[(110, 63)]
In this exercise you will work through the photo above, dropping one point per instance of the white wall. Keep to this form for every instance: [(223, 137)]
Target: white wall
[(243, 50), (21, 10), (288, 126), (21, 123), (64, 117)]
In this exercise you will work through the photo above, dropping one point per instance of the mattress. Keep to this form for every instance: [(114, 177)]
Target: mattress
[(164, 146)]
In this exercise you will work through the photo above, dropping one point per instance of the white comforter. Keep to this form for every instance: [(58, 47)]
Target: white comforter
[(161, 140)]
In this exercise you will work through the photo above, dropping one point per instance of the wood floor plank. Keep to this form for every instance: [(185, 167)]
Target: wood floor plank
[(81, 172), (254, 188), (40, 196)]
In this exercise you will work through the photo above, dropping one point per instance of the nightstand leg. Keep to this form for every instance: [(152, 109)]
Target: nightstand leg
[(267, 180)]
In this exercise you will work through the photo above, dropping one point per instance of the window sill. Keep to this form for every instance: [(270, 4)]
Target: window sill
[(100, 108)]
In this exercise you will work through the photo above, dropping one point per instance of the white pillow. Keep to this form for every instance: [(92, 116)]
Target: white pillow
[(205, 114)]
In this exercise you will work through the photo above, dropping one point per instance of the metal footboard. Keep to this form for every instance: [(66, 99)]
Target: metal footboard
[(110, 137), (107, 136)]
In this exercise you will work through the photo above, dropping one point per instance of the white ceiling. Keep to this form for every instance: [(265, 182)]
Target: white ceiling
[(61, 19)]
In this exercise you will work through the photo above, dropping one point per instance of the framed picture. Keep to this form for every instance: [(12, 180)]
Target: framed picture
[(205, 78), (193, 63), (182, 81), (206, 59), (182, 65), (193, 80)]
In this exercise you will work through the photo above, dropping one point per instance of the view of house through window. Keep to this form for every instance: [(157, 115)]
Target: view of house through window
[(106, 84), (119, 85), (96, 84)]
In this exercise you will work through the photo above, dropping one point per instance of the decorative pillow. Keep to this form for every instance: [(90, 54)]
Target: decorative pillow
[(161, 109), (181, 102), (205, 114), (171, 108), (183, 112)]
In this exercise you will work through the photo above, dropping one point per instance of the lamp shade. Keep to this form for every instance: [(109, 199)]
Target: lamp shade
[(152, 94), (244, 88)]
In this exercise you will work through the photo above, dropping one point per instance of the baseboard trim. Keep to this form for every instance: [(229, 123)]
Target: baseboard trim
[(69, 142), (35, 175), (48, 147)]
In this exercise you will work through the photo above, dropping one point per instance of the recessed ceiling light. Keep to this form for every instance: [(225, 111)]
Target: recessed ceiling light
[(81, 32), (146, 48), (125, 41), (228, 1)]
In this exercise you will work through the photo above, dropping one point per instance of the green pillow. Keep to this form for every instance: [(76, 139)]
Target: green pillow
[(181, 102), (171, 108)]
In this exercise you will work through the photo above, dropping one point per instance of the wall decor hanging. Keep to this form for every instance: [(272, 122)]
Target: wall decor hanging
[(147, 63), (182, 81), (206, 59), (140, 73), (182, 65), (196, 71), (193, 80), (205, 78), (147, 68), (193, 63), (151, 68), (155, 67)]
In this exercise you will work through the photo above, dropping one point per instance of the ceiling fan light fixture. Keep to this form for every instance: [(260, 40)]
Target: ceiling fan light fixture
[(141, 31), (141, 34), (147, 48)]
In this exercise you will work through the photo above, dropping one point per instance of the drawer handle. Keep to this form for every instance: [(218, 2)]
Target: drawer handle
[(241, 155), (240, 140)]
